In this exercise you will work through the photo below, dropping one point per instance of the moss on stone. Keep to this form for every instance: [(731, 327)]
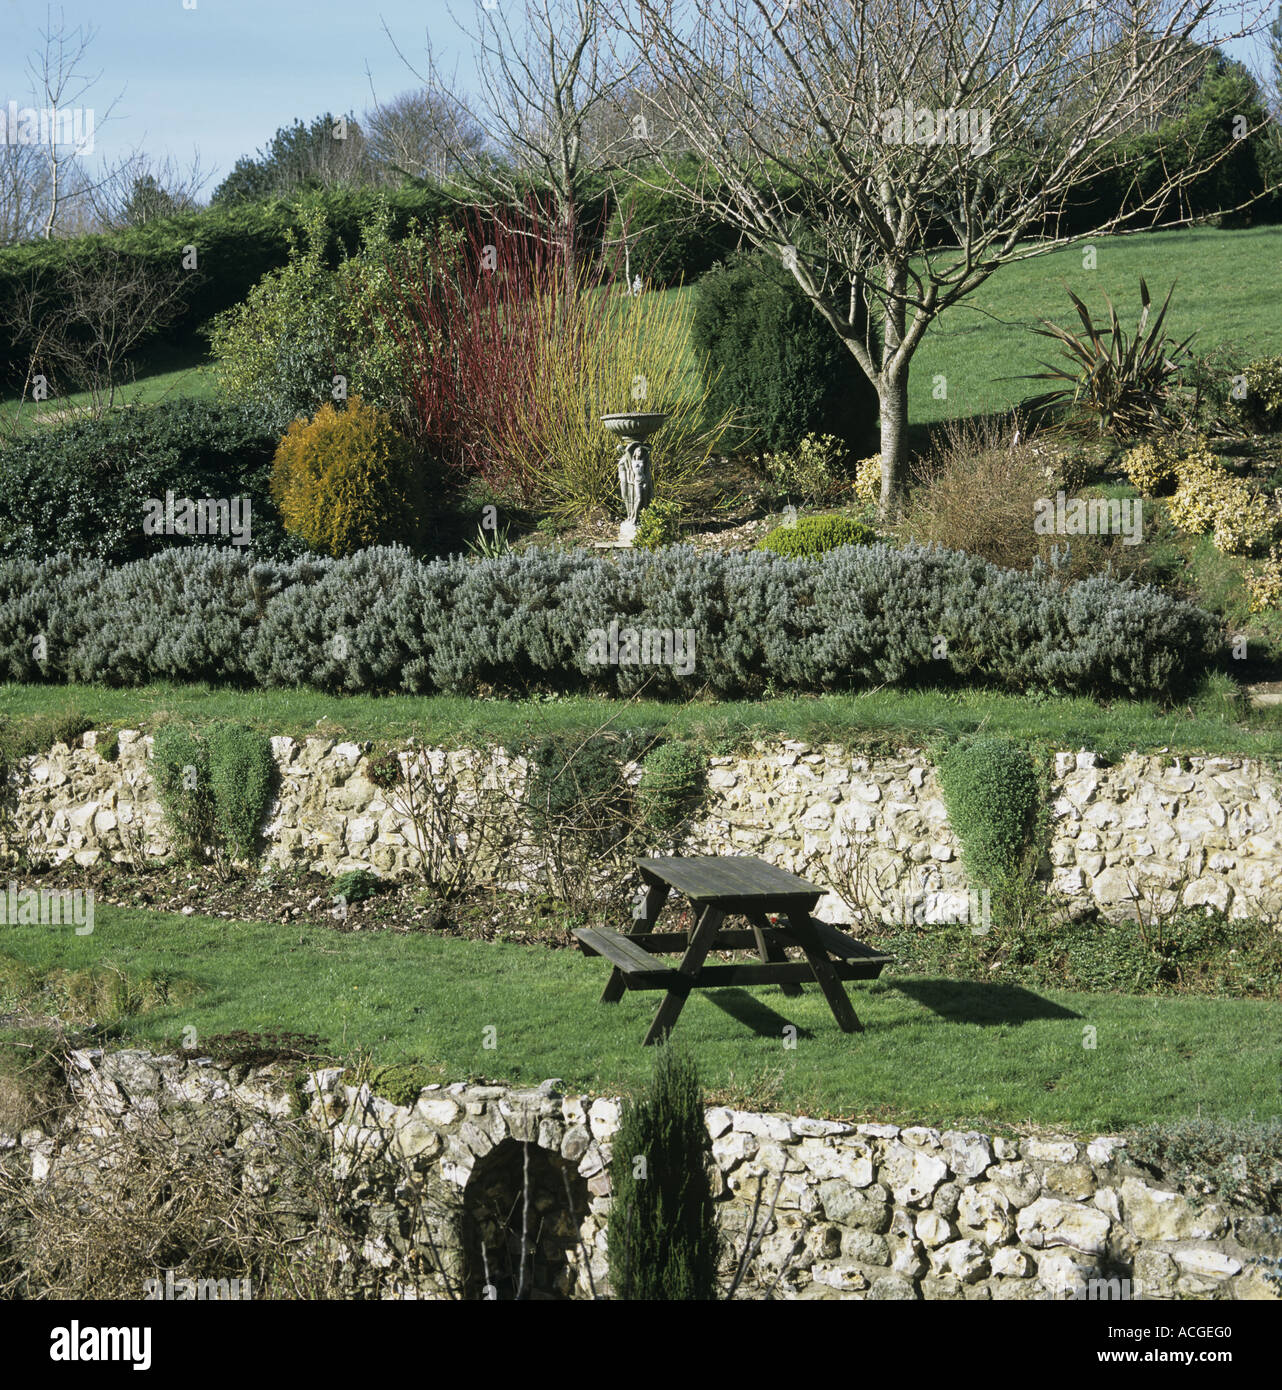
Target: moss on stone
[(399, 1082)]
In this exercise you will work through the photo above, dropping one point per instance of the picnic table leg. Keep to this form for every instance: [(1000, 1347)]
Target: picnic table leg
[(769, 951), (701, 939), (826, 977), (656, 894)]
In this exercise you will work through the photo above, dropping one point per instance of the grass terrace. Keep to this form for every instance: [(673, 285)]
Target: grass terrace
[(938, 1051), (1215, 722)]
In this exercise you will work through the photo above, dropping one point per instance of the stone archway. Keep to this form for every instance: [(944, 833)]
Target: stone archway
[(523, 1207)]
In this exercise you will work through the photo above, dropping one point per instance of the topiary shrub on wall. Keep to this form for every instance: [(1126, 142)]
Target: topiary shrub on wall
[(663, 1239), (214, 791), (242, 772), (181, 773), (672, 779), (992, 794)]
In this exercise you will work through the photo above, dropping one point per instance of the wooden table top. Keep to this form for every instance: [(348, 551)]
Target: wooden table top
[(706, 878)]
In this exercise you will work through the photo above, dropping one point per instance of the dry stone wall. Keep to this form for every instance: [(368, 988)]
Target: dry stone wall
[(1146, 832), (864, 1211)]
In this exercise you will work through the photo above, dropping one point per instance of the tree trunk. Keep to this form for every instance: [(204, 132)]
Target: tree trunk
[(570, 236), (892, 397), (892, 391)]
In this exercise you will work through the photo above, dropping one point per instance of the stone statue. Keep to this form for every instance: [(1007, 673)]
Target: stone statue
[(635, 482)]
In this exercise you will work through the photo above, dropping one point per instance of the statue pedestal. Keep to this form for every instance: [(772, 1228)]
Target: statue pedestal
[(636, 483)]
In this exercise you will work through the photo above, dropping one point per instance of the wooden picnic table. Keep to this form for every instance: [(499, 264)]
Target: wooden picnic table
[(730, 886)]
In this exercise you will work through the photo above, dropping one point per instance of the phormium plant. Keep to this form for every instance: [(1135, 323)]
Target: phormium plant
[(1124, 381)]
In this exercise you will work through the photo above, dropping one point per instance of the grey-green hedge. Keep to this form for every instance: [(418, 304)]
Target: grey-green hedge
[(540, 620)]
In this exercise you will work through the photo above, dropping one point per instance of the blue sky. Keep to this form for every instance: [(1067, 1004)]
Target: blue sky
[(224, 76)]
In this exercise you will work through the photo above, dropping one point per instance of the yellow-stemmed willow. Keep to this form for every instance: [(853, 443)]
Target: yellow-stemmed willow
[(600, 351)]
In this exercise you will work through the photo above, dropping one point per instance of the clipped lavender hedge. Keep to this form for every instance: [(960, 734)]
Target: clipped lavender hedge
[(383, 621)]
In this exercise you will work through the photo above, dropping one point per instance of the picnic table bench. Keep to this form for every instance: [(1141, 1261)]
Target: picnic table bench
[(730, 886)]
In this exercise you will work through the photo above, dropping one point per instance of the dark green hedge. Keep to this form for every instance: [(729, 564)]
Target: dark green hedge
[(235, 247), (669, 241), (82, 487)]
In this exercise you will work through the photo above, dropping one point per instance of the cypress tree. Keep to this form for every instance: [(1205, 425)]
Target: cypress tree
[(663, 1241)]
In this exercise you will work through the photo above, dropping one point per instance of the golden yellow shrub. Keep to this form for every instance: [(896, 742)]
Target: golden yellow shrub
[(1201, 494), (1265, 583), (347, 479), (1210, 499), (868, 479), (1246, 521), (1150, 466)]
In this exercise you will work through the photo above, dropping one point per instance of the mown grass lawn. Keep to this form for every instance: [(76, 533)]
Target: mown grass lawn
[(937, 1051), (1226, 286), (162, 377), (1209, 725)]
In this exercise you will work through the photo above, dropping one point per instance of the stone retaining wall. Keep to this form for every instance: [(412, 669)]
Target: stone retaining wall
[(1194, 830), (863, 1211)]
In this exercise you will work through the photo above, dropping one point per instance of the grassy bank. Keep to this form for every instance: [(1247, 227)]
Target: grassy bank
[(939, 1051), (1213, 724), (982, 344)]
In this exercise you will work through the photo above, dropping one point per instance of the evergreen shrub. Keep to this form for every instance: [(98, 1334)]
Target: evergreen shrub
[(383, 621), (183, 785), (810, 536), (242, 772), (773, 360), (663, 1239), (991, 790), (672, 779), (347, 479)]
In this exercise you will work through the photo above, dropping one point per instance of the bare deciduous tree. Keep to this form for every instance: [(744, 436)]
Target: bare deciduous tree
[(65, 128), (1272, 82), (24, 192), (542, 86), (139, 189), (83, 323), (898, 154), (404, 135)]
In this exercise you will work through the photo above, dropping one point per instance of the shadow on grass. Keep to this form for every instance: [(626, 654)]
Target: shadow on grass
[(972, 1001), (749, 1010)]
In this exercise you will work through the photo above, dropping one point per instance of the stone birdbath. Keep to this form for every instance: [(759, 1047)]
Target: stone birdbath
[(636, 482)]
